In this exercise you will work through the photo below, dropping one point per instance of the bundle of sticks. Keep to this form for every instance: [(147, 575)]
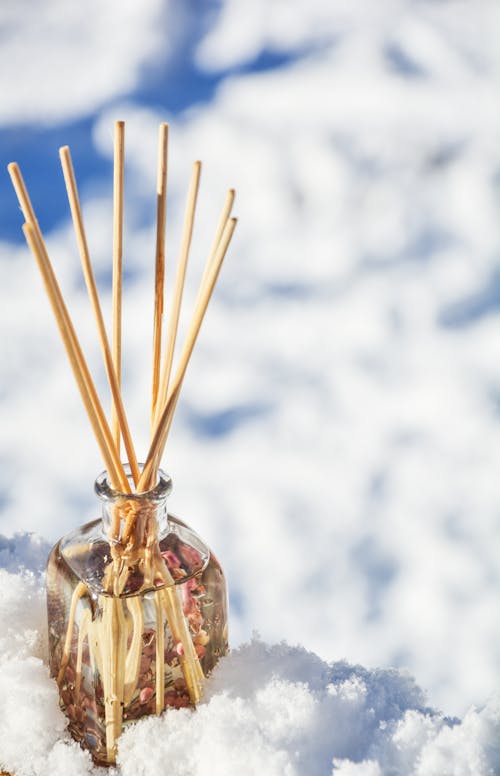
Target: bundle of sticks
[(166, 386)]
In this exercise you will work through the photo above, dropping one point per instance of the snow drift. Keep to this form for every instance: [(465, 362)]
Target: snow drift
[(273, 710)]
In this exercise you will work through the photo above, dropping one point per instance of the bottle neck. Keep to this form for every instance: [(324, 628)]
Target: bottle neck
[(136, 518)]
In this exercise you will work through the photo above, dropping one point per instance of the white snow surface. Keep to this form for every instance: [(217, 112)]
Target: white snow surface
[(338, 434), (275, 710)]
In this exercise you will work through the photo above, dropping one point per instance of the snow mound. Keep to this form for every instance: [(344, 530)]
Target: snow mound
[(269, 709), (281, 711)]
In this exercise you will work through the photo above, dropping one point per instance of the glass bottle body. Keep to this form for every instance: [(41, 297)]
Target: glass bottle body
[(132, 632)]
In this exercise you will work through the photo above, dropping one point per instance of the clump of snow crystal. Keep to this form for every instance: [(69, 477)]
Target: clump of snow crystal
[(281, 711), (23, 615), (272, 710), (33, 738)]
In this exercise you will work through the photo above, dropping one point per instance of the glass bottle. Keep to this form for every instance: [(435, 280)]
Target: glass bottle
[(135, 623)]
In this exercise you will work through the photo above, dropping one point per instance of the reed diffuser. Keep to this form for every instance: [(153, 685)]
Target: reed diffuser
[(137, 603)]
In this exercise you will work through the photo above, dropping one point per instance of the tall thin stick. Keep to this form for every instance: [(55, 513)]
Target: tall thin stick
[(76, 213), (84, 381), (161, 214), (173, 322), (118, 169), (223, 219), (157, 446), (221, 225), (116, 472)]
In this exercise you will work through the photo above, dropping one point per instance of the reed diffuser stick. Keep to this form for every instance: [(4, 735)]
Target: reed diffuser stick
[(149, 473), (221, 224), (223, 219), (161, 215), (84, 381), (118, 175), (178, 289), (76, 213)]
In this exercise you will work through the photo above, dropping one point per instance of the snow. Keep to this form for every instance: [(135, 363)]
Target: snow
[(338, 433), (278, 710)]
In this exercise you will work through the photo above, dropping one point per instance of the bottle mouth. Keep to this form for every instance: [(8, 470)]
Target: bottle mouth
[(159, 493)]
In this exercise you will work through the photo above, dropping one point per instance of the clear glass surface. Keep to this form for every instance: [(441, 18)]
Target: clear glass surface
[(119, 653)]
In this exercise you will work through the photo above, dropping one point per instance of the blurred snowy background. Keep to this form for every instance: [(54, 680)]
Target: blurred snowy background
[(338, 438)]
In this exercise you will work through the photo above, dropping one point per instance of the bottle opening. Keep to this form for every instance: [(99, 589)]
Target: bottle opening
[(160, 492)]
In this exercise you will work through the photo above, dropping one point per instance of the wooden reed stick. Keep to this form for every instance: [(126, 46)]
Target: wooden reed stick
[(118, 174), (223, 218), (160, 656), (78, 593), (113, 643), (157, 446), (84, 381), (178, 290), (76, 213), (161, 214)]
